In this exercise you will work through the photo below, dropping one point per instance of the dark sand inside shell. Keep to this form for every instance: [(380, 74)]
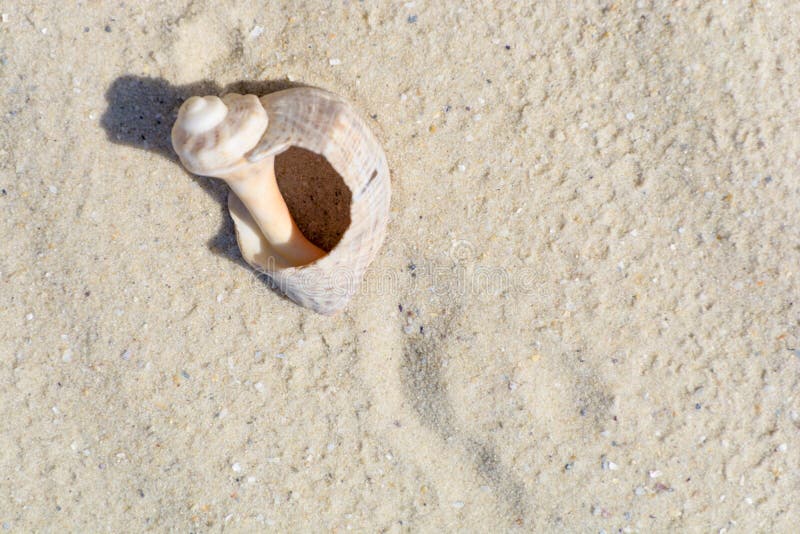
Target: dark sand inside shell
[(316, 195)]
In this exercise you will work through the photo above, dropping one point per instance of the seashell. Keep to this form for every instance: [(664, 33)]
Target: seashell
[(237, 137)]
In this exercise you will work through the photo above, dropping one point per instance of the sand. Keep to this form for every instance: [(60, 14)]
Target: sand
[(584, 319)]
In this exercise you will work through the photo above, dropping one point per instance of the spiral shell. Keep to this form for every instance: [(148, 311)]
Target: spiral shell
[(214, 132), (325, 124)]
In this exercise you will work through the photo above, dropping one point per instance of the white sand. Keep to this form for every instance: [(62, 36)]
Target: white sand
[(600, 330)]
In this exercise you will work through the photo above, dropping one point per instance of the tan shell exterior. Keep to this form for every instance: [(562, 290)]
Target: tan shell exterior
[(323, 123)]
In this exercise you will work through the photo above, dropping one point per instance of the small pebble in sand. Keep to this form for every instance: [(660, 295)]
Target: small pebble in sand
[(630, 115), (607, 464), (5, 19), (411, 19), (458, 504), (655, 473), (783, 447), (639, 491), (66, 357), (260, 387), (53, 189), (29, 317), (334, 61), (126, 354), (256, 31), (237, 468)]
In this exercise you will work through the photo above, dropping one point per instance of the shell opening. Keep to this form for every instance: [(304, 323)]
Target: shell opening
[(316, 195)]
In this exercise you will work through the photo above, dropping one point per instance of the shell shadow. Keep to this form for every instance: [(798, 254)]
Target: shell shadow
[(140, 113), (141, 109)]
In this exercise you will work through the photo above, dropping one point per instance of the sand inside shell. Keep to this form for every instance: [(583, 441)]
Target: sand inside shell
[(316, 195)]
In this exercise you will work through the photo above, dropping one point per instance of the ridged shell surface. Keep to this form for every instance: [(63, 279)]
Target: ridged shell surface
[(323, 123)]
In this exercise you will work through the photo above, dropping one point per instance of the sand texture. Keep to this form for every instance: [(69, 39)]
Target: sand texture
[(585, 317)]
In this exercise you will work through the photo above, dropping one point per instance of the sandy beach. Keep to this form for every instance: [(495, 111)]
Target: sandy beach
[(585, 316)]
